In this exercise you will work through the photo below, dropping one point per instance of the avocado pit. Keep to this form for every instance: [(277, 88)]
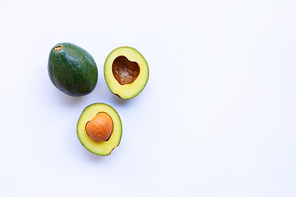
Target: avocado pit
[(100, 127), (125, 71)]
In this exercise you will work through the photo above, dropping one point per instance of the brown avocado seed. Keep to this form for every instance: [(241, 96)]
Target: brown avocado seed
[(100, 127)]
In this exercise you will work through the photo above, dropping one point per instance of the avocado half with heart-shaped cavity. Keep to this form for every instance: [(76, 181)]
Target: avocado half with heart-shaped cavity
[(126, 72), (99, 128)]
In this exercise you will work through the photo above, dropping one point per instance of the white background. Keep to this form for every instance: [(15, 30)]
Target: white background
[(217, 117)]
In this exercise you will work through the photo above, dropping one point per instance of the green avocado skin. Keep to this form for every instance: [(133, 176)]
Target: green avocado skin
[(72, 70)]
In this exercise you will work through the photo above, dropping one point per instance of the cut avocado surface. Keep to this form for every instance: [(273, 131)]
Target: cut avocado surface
[(126, 72), (105, 147), (72, 69)]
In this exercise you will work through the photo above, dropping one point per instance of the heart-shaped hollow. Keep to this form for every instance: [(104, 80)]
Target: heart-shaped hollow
[(100, 127), (125, 71)]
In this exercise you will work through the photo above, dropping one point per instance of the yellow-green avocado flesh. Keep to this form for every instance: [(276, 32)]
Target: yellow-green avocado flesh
[(103, 148), (135, 86)]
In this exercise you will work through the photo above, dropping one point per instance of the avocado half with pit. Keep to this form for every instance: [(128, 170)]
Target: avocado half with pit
[(126, 72), (99, 128), (72, 69)]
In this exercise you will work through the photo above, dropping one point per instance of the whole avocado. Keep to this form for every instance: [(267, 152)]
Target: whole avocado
[(72, 69)]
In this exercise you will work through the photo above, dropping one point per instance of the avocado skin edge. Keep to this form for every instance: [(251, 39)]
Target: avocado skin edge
[(72, 70)]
